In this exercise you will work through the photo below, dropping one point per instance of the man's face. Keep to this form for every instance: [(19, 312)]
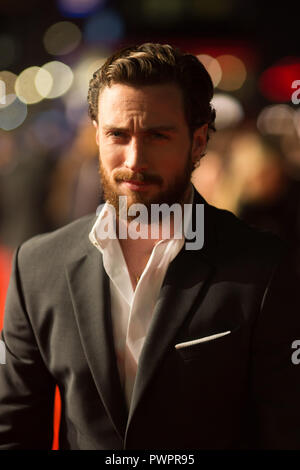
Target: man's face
[(146, 152)]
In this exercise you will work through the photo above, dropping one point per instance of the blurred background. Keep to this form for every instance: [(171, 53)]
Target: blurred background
[(48, 156)]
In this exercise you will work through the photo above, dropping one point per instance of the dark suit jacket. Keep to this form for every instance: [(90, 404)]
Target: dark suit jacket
[(237, 391)]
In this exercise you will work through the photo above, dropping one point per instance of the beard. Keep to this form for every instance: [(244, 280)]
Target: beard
[(174, 193)]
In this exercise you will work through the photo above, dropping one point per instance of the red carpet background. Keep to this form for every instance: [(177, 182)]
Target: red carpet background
[(5, 268)]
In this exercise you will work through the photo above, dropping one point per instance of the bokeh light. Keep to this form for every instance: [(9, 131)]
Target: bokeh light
[(106, 26), (84, 70), (213, 68), (233, 72), (8, 79), (25, 87), (62, 38), (62, 79), (12, 115), (276, 119), (276, 81), (43, 82), (78, 8), (76, 98), (229, 110)]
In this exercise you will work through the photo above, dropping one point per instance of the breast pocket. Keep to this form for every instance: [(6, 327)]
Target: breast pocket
[(209, 346)]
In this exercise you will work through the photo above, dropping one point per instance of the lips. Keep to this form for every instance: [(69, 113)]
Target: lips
[(140, 183), (137, 185)]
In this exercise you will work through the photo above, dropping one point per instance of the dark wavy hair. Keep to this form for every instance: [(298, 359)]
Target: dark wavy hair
[(153, 64)]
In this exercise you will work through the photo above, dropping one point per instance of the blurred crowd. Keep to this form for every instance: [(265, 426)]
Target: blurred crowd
[(247, 173)]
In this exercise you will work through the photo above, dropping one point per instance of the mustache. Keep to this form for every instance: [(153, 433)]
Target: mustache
[(127, 175)]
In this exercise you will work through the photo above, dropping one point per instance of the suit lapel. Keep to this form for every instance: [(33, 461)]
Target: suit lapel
[(89, 288), (183, 288)]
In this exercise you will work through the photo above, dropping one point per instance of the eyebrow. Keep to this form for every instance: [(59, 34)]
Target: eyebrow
[(165, 128)]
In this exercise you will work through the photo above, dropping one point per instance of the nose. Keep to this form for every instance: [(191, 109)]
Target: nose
[(136, 155)]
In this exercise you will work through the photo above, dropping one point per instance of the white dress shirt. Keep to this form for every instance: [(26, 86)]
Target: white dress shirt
[(132, 310)]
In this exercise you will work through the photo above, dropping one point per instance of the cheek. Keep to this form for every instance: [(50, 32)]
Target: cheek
[(110, 157), (176, 161)]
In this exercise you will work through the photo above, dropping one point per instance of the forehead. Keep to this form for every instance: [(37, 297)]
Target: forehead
[(157, 104)]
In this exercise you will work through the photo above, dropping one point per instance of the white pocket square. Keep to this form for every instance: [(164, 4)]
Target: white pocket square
[(201, 340)]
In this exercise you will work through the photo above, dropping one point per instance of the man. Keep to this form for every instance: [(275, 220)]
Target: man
[(153, 345)]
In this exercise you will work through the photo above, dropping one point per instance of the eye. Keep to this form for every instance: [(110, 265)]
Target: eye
[(159, 135), (117, 134)]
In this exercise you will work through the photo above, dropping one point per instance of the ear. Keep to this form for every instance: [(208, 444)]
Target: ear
[(199, 142), (95, 124)]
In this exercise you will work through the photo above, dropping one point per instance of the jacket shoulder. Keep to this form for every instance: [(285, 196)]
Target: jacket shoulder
[(57, 243), (236, 238)]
